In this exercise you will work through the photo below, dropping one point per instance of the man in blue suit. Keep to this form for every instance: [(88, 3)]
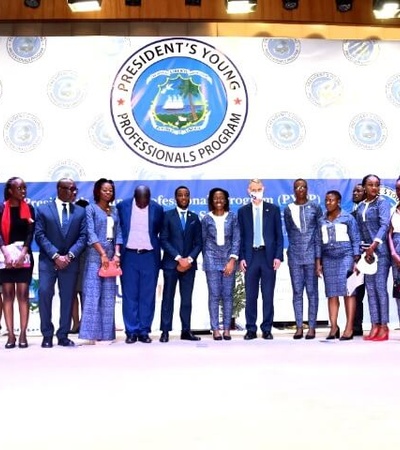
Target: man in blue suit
[(141, 220), (60, 233), (181, 241), (261, 253)]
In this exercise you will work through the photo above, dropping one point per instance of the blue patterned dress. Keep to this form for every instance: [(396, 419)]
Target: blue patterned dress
[(98, 315), (337, 244)]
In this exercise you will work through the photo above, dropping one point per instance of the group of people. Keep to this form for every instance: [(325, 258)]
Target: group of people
[(140, 238)]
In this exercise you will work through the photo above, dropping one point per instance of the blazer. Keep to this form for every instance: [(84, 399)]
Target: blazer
[(272, 232), (156, 215), (176, 241), (51, 239)]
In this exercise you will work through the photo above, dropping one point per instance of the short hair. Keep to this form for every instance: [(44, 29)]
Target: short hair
[(82, 202), (300, 179), (336, 193), (181, 187), (8, 186), (255, 180), (211, 196), (97, 187)]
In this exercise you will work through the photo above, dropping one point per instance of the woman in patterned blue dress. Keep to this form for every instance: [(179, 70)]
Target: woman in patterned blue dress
[(338, 250), (221, 241), (394, 241), (373, 218), (104, 239)]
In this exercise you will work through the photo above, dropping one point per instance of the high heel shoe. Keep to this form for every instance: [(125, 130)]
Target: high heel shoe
[(217, 336), (383, 334), (310, 334), (299, 333), (10, 343), (373, 333), (346, 338), (334, 336), (22, 344)]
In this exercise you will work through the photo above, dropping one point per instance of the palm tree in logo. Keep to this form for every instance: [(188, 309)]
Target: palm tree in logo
[(189, 90)]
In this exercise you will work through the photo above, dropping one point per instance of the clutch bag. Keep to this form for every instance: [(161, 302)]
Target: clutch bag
[(111, 271)]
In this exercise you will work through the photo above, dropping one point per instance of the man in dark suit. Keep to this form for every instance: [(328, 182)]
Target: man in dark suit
[(181, 241), (60, 233), (261, 254), (141, 220)]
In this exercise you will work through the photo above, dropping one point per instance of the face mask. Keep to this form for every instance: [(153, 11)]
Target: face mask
[(256, 195)]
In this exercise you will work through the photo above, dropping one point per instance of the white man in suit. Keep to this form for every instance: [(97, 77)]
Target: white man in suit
[(61, 236), (261, 254), (181, 241)]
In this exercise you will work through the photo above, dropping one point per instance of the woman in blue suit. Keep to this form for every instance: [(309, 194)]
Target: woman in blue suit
[(221, 243)]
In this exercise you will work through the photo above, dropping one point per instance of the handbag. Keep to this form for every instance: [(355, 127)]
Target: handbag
[(14, 251), (111, 271), (396, 287)]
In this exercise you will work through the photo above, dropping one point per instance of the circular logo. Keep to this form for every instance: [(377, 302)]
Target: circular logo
[(66, 168), (23, 132), (361, 53), (329, 169), (393, 89), (100, 135), (281, 51), (179, 103), (115, 45), (26, 49), (324, 89), (368, 131), (285, 130), (66, 90), (389, 194)]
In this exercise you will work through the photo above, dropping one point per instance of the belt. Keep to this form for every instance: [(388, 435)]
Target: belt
[(261, 247), (139, 251)]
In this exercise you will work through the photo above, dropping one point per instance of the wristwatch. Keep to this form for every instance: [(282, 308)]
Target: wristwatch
[(71, 256)]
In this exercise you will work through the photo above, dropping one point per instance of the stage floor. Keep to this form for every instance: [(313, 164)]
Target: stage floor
[(208, 395)]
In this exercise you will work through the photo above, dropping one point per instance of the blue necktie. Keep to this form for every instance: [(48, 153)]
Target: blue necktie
[(64, 219), (183, 221), (257, 228)]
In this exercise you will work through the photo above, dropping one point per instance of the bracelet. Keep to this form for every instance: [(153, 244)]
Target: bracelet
[(117, 254)]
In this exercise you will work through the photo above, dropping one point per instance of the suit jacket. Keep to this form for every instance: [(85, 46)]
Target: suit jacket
[(50, 238), (272, 232), (176, 241), (156, 214)]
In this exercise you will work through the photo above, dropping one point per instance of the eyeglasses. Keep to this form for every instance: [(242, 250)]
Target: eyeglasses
[(300, 188), (71, 189)]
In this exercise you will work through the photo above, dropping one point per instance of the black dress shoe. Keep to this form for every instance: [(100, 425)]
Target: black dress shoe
[(47, 342), (267, 335), (250, 335), (145, 338), (131, 339), (358, 332), (65, 342), (189, 336), (164, 336)]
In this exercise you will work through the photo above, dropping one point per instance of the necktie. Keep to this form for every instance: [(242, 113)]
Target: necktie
[(257, 228), (64, 218), (183, 221)]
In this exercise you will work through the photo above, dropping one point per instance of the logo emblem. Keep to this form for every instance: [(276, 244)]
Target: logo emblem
[(281, 51), (179, 103), (393, 90), (285, 130), (361, 53), (324, 89), (100, 134), (66, 90), (26, 49), (66, 168), (23, 132), (368, 131)]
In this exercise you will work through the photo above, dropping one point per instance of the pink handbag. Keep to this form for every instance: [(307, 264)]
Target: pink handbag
[(111, 271)]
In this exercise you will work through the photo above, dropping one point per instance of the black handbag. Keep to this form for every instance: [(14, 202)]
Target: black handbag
[(396, 288)]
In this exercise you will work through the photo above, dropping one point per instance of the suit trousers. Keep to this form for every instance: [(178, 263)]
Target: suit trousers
[(186, 282), (66, 285), (139, 283), (259, 272)]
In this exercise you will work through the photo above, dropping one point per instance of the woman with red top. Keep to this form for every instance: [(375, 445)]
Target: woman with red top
[(16, 227)]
